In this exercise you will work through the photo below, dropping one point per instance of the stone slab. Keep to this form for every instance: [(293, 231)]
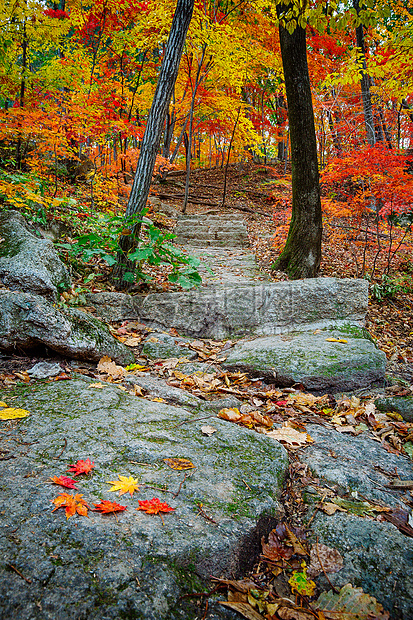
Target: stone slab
[(235, 310), (132, 566), (311, 360)]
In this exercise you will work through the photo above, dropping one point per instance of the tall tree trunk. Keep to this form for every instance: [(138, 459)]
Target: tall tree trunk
[(365, 82), (301, 255), (152, 137)]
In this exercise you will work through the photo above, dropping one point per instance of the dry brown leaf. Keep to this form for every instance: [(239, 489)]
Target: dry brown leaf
[(323, 557), (179, 463), (96, 385), (208, 430), (106, 366), (289, 613), (230, 414), (350, 602), (290, 437), (132, 342), (244, 609), (330, 508)]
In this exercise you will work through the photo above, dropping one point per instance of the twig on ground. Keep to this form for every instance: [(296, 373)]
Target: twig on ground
[(322, 568), (63, 449), (19, 573)]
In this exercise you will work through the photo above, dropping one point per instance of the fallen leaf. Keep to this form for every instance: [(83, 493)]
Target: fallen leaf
[(290, 436), (132, 342), (179, 464), (106, 507), (154, 507), (351, 602), (275, 549), (358, 507), (300, 584), (342, 340), (2, 404), (208, 430), (156, 399), (230, 414), (136, 367), (81, 467), (124, 485), (10, 413), (110, 368), (71, 503), (96, 385), (329, 508), (323, 557), (64, 481), (152, 339), (244, 609)]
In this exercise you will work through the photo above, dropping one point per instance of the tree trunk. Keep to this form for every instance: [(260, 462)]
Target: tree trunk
[(152, 138), (365, 82), (301, 255)]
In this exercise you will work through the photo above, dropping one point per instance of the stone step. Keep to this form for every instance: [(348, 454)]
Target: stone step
[(206, 230), (233, 310)]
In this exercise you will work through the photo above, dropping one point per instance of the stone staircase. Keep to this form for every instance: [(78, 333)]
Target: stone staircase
[(212, 230)]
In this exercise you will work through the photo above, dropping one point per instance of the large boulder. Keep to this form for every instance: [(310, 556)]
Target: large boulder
[(28, 263), (28, 320), (133, 566), (231, 310), (377, 556), (318, 361)]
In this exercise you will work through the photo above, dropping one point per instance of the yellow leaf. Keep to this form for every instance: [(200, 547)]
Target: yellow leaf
[(2, 404), (124, 485), (96, 385), (179, 464), (337, 340), (9, 413)]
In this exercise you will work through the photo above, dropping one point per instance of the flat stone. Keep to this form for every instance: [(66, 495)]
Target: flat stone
[(400, 404), (211, 230), (28, 320), (233, 310), (377, 557), (311, 360), (164, 346), (28, 263), (101, 567)]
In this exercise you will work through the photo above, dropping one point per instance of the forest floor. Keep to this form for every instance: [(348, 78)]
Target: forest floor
[(262, 194)]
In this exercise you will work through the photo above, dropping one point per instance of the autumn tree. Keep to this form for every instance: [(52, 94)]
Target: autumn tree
[(301, 255), (151, 139)]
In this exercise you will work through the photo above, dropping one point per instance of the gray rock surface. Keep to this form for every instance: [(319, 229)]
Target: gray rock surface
[(103, 568), (309, 359), (155, 386), (163, 346), (27, 320), (400, 404), (356, 465), (222, 311), (377, 557), (28, 263)]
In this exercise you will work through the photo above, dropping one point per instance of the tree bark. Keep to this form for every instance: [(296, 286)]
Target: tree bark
[(301, 255), (365, 82), (152, 137)]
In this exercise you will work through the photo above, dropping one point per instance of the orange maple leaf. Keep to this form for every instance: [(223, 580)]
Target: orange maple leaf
[(72, 504), (64, 481), (105, 507), (81, 467), (154, 506)]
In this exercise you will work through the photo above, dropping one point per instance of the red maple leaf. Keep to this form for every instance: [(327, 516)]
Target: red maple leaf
[(64, 481), (106, 507), (154, 506), (81, 467)]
